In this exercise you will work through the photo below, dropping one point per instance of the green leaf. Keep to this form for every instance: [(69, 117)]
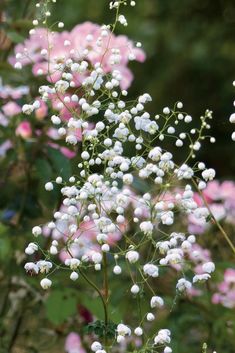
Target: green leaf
[(5, 243), (60, 305), (94, 305), (60, 163), (15, 37), (44, 170)]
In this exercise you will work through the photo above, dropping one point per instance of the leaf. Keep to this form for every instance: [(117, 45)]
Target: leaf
[(94, 305), (15, 37), (5, 243), (60, 163), (60, 305), (44, 170)]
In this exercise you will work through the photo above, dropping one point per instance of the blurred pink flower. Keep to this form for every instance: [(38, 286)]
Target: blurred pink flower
[(11, 108), (79, 44), (24, 130), (226, 290), (12, 92), (41, 112), (73, 343), (221, 199)]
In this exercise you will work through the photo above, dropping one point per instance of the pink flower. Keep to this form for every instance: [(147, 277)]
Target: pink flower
[(81, 44), (41, 112), (73, 344), (226, 290), (229, 275), (67, 152), (24, 130), (31, 47), (13, 92), (11, 108), (3, 120)]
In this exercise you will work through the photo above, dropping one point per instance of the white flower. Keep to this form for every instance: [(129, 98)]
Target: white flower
[(27, 109), (156, 302), (46, 283), (123, 330), (61, 86), (146, 227), (44, 266), (31, 267), (132, 256), (183, 285), (53, 250), (155, 154), (37, 231), (232, 118), (201, 278), (96, 346), (72, 263), (208, 174), (49, 186), (138, 331), (163, 337), (167, 350), (208, 267), (127, 179), (151, 270), (31, 248), (135, 289), (96, 258), (117, 270), (150, 317)]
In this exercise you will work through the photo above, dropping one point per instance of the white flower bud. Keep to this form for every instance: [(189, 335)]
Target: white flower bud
[(46, 283), (74, 276), (37, 231), (49, 186)]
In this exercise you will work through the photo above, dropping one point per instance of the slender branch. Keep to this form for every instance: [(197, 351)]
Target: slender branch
[(106, 292), (98, 291)]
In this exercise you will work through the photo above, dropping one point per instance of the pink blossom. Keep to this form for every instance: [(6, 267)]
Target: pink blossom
[(24, 130), (226, 290), (12, 92), (11, 108), (67, 152), (73, 343), (41, 112), (82, 37), (3, 120)]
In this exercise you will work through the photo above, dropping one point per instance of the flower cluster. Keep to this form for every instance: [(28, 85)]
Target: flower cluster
[(105, 221)]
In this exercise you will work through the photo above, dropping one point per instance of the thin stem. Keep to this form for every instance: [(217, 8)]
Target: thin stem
[(106, 293), (99, 292)]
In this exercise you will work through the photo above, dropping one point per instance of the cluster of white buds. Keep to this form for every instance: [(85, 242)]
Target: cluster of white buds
[(103, 212)]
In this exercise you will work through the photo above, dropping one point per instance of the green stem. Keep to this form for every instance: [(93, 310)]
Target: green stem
[(106, 292), (99, 292)]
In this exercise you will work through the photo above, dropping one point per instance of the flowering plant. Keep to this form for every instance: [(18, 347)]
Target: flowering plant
[(116, 230)]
